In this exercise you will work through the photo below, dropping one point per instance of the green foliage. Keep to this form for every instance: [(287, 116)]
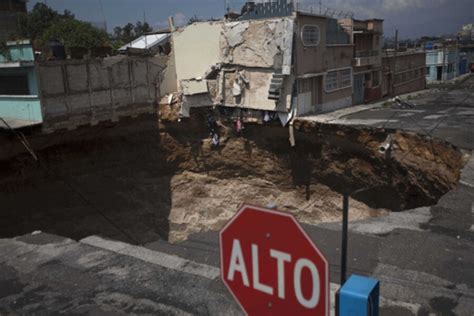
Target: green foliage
[(129, 32), (142, 28), (4, 50), (43, 24), (38, 20), (74, 33)]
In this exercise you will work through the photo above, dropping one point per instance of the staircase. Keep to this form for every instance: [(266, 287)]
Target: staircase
[(275, 86)]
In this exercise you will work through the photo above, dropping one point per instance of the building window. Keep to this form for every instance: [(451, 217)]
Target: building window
[(428, 71), (450, 68), (338, 79), (304, 86), (14, 85), (331, 81), (310, 35), (346, 77)]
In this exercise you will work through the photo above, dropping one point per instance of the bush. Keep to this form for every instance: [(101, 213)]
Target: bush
[(74, 33)]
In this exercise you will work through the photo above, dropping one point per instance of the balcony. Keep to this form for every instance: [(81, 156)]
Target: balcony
[(20, 111), (367, 58)]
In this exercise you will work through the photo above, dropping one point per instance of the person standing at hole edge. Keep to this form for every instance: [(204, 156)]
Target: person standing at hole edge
[(212, 126), (239, 126)]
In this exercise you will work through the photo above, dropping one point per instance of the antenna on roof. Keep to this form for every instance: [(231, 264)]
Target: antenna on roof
[(103, 15), (144, 21)]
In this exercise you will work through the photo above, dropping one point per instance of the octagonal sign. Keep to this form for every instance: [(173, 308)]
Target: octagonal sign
[(271, 266)]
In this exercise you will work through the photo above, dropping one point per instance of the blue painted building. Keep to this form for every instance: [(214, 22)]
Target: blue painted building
[(20, 104), (463, 64), (442, 63)]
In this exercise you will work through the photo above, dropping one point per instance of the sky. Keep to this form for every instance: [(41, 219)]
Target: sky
[(413, 18)]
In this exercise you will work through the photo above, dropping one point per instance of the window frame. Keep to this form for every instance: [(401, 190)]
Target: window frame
[(21, 84), (339, 76), (303, 38)]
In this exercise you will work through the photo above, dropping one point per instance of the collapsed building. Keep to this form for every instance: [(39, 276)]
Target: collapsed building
[(273, 61)]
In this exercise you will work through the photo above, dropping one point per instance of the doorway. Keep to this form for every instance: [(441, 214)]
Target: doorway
[(359, 89), (439, 75)]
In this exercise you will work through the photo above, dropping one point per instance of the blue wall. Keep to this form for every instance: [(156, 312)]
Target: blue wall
[(21, 51), (462, 65), (25, 107), (442, 58), (21, 108)]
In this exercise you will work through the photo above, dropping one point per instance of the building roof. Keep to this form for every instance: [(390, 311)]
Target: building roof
[(147, 41), (391, 53)]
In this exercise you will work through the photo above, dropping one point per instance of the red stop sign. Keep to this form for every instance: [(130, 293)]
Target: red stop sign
[(271, 266)]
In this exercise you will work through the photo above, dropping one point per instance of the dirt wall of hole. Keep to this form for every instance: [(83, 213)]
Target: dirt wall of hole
[(343, 158), (346, 159)]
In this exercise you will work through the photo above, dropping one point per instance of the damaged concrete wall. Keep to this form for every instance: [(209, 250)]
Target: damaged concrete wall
[(209, 57), (259, 44), (196, 49), (260, 52), (254, 94), (82, 92), (169, 83)]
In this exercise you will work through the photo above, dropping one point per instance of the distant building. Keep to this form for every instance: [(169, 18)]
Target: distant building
[(463, 67), (467, 32), (442, 62), (466, 52), (9, 17), (367, 37), (403, 72)]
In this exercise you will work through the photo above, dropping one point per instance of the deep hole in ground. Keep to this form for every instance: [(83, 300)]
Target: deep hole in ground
[(139, 183)]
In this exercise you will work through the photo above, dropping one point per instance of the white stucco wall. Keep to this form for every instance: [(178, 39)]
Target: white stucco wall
[(196, 49)]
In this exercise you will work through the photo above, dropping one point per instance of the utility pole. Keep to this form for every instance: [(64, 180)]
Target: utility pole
[(345, 224), (395, 61)]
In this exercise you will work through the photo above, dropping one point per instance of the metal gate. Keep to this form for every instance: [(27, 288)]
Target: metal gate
[(359, 89)]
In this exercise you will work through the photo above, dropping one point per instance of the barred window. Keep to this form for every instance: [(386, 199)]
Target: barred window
[(346, 78), (305, 85), (331, 81), (310, 35), (338, 79)]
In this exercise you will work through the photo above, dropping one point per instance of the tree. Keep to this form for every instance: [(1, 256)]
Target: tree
[(129, 32), (142, 28), (38, 20), (74, 33), (43, 24)]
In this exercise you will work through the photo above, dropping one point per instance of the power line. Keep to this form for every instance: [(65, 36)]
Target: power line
[(103, 14)]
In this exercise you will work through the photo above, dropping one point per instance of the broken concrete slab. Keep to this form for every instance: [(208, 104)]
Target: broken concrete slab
[(261, 44)]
